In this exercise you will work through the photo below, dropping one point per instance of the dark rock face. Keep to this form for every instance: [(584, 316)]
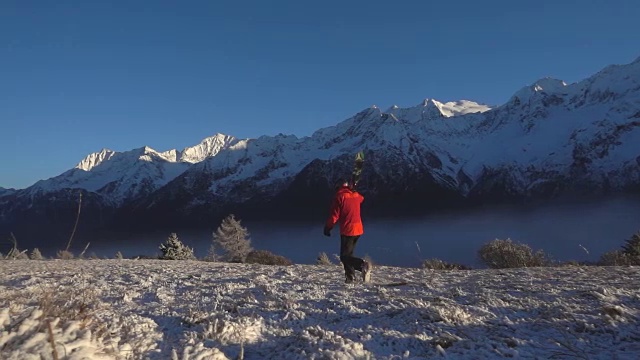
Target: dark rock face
[(390, 186)]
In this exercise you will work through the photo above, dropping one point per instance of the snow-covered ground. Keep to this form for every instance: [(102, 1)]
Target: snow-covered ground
[(154, 309)]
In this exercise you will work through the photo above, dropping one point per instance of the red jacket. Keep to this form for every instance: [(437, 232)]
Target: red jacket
[(346, 210)]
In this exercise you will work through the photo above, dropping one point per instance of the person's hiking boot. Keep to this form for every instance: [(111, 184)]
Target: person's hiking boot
[(349, 279), (366, 271)]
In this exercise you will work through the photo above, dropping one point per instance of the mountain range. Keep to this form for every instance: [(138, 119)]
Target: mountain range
[(550, 139)]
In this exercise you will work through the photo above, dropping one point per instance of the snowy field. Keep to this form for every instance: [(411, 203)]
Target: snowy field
[(154, 309)]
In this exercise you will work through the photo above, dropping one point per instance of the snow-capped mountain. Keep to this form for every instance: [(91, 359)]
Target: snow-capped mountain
[(4, 191), (118, 176), (550, 138), (123, 176)]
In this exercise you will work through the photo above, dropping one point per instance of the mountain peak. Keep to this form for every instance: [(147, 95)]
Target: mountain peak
[(432, 109), (546, 86), (94, 159), (208, 147), (430, 102), (392, 108), (549, 84)]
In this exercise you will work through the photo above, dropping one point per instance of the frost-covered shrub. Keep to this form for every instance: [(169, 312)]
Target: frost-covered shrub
[(498, 254), (64, 255), (119, 255), (575, 263), (174, 249), (16, 254), (437, 264), (617, 258), (65, 321), (232, 238), (36, 254), (323, 259), (44, 321), (265, 257)]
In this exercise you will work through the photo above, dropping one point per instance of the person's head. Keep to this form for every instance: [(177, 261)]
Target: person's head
[(341, 183)]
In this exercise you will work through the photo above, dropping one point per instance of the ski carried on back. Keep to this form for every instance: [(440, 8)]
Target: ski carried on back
[(357, 169)]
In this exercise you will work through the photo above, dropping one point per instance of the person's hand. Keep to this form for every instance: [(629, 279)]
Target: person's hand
[(327, 231)]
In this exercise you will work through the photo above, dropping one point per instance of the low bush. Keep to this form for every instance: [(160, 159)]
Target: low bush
[(575, 263), (265, 257), (437, 264), (64, 255), (36, 255), (617, 258), (499, 254)]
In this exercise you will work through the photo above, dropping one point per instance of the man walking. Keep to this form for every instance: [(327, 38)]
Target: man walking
[(345, 209)]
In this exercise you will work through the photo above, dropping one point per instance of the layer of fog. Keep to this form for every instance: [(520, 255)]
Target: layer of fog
[(576, 231)]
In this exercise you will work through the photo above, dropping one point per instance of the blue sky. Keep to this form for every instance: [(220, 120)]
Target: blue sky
[(79, 76)]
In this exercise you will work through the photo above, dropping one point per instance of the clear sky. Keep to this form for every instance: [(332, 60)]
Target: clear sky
[(79, 76)]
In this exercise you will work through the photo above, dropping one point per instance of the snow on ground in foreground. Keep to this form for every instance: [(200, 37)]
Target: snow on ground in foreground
[(153, 309)]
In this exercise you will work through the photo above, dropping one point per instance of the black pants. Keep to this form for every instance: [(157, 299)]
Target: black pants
[(350, 262)]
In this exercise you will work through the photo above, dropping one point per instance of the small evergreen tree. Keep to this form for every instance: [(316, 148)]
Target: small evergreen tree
[(174, 249), (233, 239), (36, 254), (632, 246), (212, 255), (628, 255)]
